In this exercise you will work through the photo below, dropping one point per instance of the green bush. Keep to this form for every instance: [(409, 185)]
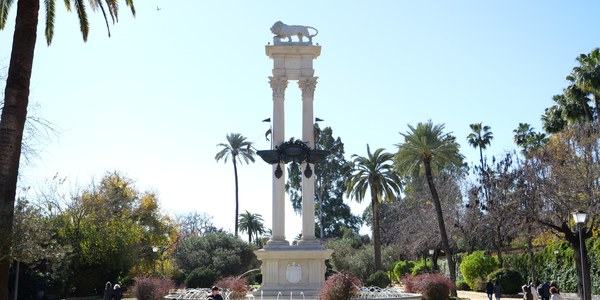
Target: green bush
[(402, 268), (462, 285), (221, 252), (420, 267), (477, 265), (380, 279), (479, 285), (510, 280), (201, 278)]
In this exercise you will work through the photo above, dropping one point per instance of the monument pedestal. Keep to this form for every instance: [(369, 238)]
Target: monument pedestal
[(293, 269)]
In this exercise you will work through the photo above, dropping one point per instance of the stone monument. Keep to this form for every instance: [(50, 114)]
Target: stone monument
[(292, 268)]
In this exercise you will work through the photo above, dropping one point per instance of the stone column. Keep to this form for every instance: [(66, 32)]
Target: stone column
[(278, 84), (308, 85)]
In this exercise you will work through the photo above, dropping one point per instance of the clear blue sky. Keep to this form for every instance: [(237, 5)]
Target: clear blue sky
[(153, 100)]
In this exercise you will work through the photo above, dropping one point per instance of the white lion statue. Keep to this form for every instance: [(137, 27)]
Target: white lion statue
[(281, 30)]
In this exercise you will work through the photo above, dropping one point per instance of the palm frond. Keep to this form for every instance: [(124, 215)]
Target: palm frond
[(84, 25), (50, 14), (4, 8), (99, 3)]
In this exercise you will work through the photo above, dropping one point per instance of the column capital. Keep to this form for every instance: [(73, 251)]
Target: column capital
[(278, 84), (308, 85)]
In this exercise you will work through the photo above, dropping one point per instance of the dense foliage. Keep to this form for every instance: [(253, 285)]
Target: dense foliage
[(510, 280), (476, 266), (379, 279), (221, 253)]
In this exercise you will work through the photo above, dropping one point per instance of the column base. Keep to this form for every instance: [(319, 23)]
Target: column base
[(296, 270)]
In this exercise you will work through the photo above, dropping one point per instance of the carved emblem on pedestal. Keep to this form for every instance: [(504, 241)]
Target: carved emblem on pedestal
[(293, 273)]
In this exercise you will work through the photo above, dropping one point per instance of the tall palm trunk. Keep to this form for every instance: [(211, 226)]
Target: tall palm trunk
[(12, 124), (442, 226), (236, 196), (376, 235)]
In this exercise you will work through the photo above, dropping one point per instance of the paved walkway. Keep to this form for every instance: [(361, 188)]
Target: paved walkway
[(483, 296)]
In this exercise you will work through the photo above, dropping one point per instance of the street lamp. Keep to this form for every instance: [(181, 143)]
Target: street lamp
[(431, 251), (579, 218), (154, 250)]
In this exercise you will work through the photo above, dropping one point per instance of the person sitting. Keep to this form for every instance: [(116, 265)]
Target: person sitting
[(216, 293)]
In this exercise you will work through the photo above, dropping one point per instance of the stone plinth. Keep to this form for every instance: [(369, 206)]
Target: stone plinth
[(293, 62), (294, 269)]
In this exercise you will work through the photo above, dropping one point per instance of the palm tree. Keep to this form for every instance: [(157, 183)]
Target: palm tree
[(252, 224), (480, 137), (375, 173), (239, 149), (427, 148), (586, 76), (14, 111), (527, 139)]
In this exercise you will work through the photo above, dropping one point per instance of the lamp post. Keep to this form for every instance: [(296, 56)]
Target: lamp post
[(579, 218), (154, 250), (431, 251)]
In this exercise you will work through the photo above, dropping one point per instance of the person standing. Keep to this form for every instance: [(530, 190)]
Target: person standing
[(527, 295), (554, 295), (533, 288), (497, 290), (489, 289), (108, 291), (544, 291), (117, 292)]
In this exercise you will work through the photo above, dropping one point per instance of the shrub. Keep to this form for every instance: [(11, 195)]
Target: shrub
[(420, 267), (477, 265), (201, 278), (152, 288), (340, 287), (479, 285), (238, 287), (510, 280), (432, 286), (462, 285), (402, 268), (380, 279)]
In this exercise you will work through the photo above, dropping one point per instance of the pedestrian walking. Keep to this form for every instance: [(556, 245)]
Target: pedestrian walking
[(497, 290), (489, 289), (108, 291)]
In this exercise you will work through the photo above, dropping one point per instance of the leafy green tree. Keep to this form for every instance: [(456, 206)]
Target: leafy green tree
[(110, 227), (427, 148), (374, 173), (252, 224), (332, 213), (566, 171), (477, 266), (14, 111), (239, 149), (220, 252)]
